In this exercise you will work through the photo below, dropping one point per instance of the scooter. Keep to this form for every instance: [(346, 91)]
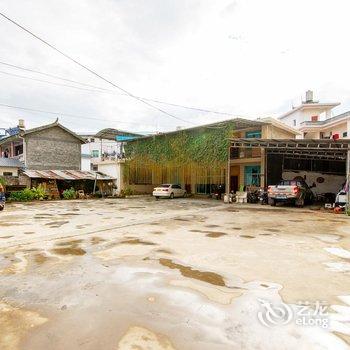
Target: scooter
[(2, 201), (262, 196)]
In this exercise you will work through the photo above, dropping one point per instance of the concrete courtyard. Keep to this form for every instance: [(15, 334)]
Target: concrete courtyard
[(183, 274)]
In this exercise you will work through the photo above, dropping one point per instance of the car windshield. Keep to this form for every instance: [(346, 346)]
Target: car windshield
[(164, 186)]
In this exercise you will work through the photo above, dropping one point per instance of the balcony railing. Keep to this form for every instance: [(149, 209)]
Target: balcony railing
[(241, 153)]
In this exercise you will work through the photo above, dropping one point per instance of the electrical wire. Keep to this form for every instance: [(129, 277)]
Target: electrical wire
[(91, 70), (103, 89), (66, 114)]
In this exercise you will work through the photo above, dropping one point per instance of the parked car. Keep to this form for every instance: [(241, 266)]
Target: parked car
[(295, 191), (169, 191)]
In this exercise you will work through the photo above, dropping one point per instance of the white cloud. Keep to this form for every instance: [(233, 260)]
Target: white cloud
[(246, 57)]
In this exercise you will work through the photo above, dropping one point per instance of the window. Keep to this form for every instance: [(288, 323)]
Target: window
[(345, 134), (92, 140), (314, 118), (294, 122), (94, 167), (95, 153), (7, 173), (253, 134)]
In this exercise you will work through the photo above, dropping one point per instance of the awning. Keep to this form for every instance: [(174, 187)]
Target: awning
[(67, 175), (326, 149)]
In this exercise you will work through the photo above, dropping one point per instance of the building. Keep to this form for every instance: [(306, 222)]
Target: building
[(197, 157), (10, 167), (46, 147), (102, 146), (315, 120)]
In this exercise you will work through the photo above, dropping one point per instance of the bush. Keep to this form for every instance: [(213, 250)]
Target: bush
[(39, 192), (69, 194), (22, 196), (2, 181), (28, 194), (127, 192)]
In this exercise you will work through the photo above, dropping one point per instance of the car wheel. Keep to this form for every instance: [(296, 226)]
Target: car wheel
[(272, 202), (171, 195), (184, 195), (300, 202), (157, 198)]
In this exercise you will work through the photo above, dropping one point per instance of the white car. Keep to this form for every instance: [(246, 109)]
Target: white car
[(169, 191)]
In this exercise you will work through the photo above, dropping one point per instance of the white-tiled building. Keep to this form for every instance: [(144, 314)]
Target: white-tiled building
[(315, 120)]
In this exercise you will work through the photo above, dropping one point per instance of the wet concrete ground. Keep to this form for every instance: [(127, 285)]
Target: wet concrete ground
[(169, 274)]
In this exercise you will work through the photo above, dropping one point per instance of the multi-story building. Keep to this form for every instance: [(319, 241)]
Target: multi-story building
[(315, 120), (46, 147), (96, 149)]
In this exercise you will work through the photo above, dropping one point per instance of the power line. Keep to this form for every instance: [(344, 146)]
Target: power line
[(103, 89), (92, 71), (50, 75), (48, 82), (66, 114)]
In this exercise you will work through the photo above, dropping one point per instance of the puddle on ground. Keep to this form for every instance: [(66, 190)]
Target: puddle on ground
[(69, 251), (158, 233), (272, 230), (137, 241), (69, 248), (40, 258), (4, 237), (56, 224), (265, 234), (71, 243), (212, 226), (19, 264), (187, 271), (166, 251), (237, 228), (29, 233), (214, 293), (97, 240), (139, 338), (246, 236), (14, 325), (216, 234)]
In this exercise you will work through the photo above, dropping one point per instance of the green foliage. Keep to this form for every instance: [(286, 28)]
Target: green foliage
[(69, 194), (127, 192), (29, 194), (205, 146), (22, 196), (39, 192), (2, 181)]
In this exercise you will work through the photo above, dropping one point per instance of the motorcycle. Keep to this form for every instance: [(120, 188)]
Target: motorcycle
[(217, 191), (2, 201), (262, 196)]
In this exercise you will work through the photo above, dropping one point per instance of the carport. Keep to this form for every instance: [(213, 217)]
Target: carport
[(316, 160)]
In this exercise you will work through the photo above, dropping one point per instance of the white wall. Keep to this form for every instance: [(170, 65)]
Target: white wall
[(332, 183), (3, 170), (115, 170), (96, 146), (85, 164)]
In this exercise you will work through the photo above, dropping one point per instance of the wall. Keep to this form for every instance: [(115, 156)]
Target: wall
[(332, 183), (85, 163), (3, 170), (115, 170), (52, 148), (303, 115)]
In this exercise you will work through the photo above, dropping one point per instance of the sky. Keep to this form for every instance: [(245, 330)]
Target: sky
[(246, 58)]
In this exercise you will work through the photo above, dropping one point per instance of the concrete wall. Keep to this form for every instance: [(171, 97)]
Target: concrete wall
[(3, 170), (115, 170), (52, 148), (332, 183)]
